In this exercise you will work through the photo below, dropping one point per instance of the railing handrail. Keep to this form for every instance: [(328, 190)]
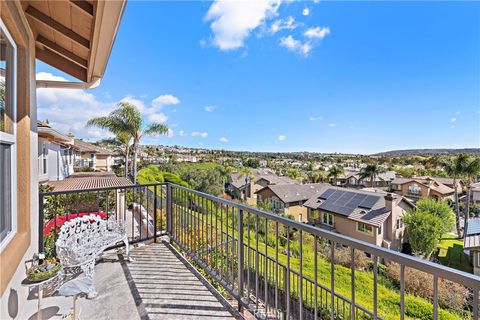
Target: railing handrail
[(461, 277), (128, 186)]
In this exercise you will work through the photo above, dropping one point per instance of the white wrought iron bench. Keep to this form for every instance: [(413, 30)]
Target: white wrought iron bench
[(82, 240)]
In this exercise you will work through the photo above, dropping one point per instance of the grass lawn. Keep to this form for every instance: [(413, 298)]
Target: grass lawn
[(450, 253)]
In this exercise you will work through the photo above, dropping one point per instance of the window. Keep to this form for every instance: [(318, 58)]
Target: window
[(365, 228), (327, 218), (44, 156), (8, 212), (478, 259), (379, 230), (414, 189), (399, 223)]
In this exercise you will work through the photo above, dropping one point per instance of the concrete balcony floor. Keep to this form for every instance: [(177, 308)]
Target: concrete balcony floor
[(159, 284)]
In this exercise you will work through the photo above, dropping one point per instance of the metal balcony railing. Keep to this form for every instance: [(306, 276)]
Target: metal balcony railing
[(273, 266)]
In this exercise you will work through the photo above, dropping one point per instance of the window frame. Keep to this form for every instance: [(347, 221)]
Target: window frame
[(371, 233), (331, 219), (11, 139)]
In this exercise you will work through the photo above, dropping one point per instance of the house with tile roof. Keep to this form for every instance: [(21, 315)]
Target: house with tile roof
[(55, 153), (90, 156), (471, 243), (289, 199), (245, 188), (373, 217), (417, 188)]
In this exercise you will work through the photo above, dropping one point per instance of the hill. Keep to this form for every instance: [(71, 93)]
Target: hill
[(429, 152)]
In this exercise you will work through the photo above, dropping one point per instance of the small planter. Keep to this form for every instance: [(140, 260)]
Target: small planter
[(44, 271)]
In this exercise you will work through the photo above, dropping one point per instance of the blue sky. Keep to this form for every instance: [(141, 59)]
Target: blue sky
[(330, 76)]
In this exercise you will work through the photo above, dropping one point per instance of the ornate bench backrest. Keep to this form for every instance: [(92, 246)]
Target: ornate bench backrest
[(83, 238)]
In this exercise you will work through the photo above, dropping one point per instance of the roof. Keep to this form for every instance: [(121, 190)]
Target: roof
[(358, 205), (83, 146), (269, 175), (75, 37), (472, 236), (44, 129), (428, 182), (89, 180), (296, 192), (446, 181)]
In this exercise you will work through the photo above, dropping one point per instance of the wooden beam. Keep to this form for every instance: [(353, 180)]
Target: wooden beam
[(53, 24), (41, 40), (59, 62), (84, 5)]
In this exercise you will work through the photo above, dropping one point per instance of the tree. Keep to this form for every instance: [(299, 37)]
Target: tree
[(426, 224), (371, 171), (334, 172), (471, 172), (293, 173), (247, 173), (225, 172), (455, 168), (127, 120), (316, 176)]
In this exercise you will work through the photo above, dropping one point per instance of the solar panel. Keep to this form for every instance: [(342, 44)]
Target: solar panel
[(369, 202), (356, 200), (327, 194), (334, 197)]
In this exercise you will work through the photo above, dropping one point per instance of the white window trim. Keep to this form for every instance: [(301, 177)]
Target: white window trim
[(332, 220), (8, 138)]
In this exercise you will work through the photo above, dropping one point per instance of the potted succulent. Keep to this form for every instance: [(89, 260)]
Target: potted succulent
[(39, 269)]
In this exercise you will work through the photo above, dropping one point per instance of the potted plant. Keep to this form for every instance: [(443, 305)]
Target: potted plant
[(39, 269)]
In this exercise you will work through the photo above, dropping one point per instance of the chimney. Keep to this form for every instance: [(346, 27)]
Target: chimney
[(389, 201)]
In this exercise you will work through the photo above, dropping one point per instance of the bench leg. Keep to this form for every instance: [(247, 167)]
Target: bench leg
[(89, 270), (127, 249)]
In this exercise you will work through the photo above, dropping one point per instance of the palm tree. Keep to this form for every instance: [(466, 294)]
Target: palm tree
[(125, 139), (371, 171), (334, 172), (127, 120), (471, 172), (316, 176), (455, 168), (247, 173)]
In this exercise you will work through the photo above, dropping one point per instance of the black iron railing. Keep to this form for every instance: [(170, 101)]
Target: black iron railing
[(273, 266)]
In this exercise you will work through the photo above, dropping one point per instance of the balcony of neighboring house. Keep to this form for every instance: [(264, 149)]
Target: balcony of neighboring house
[(199, 256)]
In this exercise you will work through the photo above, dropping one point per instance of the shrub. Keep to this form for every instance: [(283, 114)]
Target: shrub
[(451, 295), (343, 257)]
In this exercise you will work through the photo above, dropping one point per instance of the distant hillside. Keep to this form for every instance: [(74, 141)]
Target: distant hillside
[(428, 152)]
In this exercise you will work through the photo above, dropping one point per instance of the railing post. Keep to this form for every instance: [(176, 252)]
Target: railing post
[(41, 218), (169, 211), (240, 257), (155, 213)]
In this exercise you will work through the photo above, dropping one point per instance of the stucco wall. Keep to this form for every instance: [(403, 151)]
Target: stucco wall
[(24, 243)]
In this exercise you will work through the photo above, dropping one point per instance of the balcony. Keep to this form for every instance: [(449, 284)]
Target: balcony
[(191, 246)]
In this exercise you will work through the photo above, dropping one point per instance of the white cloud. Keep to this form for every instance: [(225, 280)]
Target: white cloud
[(233, 21), (315, 118), (209, 108), (283, 24), (331, 125), (317, 32), (223, 139), (157, 104), (282, 137), (295, 45), (158, 117), (136, 102), (452, 120), (199, 134), (306, 11), (164, 100), (69, 110), (181, 133), (170, 133)]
